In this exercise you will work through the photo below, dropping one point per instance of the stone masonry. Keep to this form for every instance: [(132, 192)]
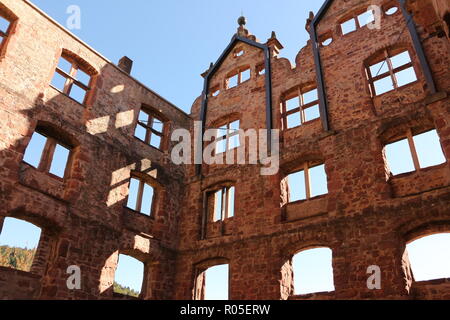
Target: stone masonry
[(366, 218)]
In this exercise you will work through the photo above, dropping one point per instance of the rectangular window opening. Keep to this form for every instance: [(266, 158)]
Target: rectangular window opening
[(307, 183), (19, 241), (129, 276), (71, 80), (149, 129), (223, 204), (35, 149)]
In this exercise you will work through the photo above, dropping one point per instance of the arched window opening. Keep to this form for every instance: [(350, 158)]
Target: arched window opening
[(299, 106), (313, 271), (72, 77), (18, 244), (430, 257), (129, 276)]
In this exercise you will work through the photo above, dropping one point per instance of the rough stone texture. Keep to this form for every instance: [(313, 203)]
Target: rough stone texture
[(366, 218)]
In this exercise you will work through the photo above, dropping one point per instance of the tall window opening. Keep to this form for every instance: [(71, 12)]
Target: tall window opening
[(313, 271), (357, 22), (129, 276), (72, 79), (141, 196)]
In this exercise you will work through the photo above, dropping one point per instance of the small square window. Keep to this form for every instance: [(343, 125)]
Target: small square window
[(400, 59), (379, 68), (83, 77), (158, 125), (149, 129), (140, 132), (234, 125), (405, 77)]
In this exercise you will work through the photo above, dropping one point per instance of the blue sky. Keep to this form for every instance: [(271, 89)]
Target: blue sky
[(173, 42)]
